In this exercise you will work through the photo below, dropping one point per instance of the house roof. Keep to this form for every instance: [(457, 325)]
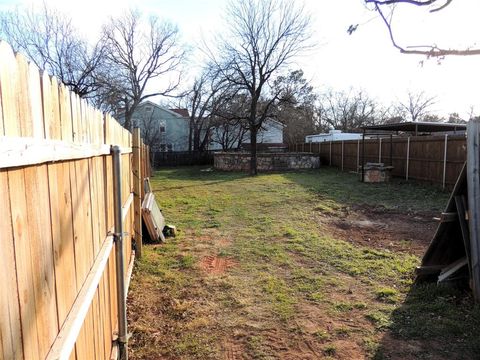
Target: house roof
[(149, 103), (418, 127), (276, 122), (181, 112)]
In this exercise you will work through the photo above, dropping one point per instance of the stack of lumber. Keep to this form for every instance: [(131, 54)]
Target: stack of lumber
[(153, 218)]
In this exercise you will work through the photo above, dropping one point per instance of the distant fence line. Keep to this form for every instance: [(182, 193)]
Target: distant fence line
[(433, 159), (181, 158)]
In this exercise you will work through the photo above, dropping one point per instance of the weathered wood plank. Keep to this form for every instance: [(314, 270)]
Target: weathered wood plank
[(10, 326), (35, 101), (23, 260), (65, 113), (76, 121), (25, 117), (460, 203), (62, 234), (78, 241), (40, 240), (8, 84), (51, 107), (473, 181), (451, 269)]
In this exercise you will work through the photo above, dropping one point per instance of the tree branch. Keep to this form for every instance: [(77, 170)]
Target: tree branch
[(429, 50)]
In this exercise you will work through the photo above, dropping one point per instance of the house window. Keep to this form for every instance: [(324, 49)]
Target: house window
[(148, 109), (162, 128), (166, 147)]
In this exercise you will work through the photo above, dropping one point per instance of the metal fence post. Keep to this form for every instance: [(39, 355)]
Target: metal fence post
[(137, 190), (119, 256), (358, 155), (379, 150), (330, 163), (408, 158), (342, 153), (445, 161)]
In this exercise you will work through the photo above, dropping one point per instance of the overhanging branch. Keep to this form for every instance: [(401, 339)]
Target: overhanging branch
[(428, 50)]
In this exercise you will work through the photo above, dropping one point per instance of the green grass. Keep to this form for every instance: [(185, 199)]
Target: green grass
[(286, 258)]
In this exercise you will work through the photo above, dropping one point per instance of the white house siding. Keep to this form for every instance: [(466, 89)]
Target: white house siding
[(270, 133), (333, 135)]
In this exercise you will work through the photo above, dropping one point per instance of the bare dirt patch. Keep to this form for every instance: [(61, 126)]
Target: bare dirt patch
[(210, 237), (232, 350), (381, 228), (216, 265)]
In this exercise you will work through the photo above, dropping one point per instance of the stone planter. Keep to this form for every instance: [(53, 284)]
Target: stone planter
[(238, 161)]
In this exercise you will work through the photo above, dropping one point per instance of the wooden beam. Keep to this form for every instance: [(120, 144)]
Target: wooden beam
[(428, 269), (448, 216), (461, 203), (126, 206), (473, 181), (16, 151), (137, 190), (24, 151), (129, 273), (452, 269)]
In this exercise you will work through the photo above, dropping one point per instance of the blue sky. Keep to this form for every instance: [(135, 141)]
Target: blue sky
[(365, 59)]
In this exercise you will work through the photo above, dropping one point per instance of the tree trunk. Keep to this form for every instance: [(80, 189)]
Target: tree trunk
[(128, 120), (190, 136), (196, 138), (253, 151)]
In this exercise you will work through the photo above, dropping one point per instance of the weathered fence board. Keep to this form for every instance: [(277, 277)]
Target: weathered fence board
[(10, 327)]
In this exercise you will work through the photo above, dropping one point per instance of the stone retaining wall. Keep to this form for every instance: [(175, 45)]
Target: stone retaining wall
[(233, 161)]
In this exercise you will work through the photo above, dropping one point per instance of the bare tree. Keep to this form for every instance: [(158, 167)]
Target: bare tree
[(385, 10), (348, 111), (417, 106), (49, 40), (150, 128), (229, 124), (137, 52), (264, 37), (230, 134), (208, 95), (297, 107)]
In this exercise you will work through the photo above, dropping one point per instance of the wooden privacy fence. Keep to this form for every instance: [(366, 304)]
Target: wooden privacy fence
[(58, 296), (435, 159)]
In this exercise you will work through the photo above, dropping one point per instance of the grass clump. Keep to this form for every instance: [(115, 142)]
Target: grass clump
[(387, 294)]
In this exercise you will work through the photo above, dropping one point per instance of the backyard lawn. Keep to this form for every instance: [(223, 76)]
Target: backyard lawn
[(306, 265)]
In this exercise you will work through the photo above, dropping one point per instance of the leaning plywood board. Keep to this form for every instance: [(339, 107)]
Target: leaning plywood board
[(447, 245), (153, 218)]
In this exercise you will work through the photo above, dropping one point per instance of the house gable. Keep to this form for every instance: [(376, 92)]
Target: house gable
[(170, 130)]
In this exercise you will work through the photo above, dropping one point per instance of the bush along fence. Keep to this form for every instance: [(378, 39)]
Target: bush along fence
[(70, 191), (433, 159)]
